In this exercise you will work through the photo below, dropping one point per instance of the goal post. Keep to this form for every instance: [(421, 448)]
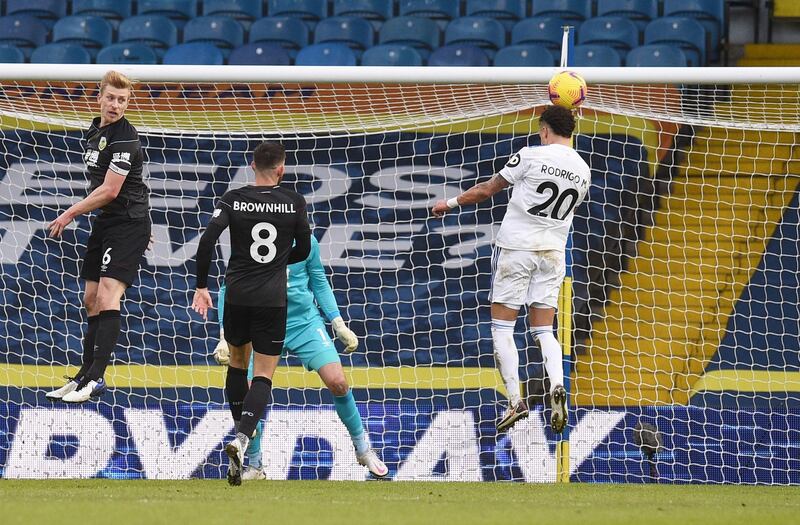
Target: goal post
[(680, 324)]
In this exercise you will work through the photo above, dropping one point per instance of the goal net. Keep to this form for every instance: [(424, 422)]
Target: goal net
[(682, 325)]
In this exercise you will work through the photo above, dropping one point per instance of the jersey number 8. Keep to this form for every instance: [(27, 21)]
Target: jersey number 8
[(267, 242)]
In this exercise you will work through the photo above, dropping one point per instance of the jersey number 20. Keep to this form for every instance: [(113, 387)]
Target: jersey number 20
[(554, 202), (267, 242)]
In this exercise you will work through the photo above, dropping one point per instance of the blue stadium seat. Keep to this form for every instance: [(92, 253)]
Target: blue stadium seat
[(291, 33), (420, 33), (486, 33), (24, 31), (507, 12), (524, 55), (566, 9), (195, 53), (351, 31), (310, 11), (245, 11), (179, 11), (595, 55), (442, 11), (710, 13), (259, 55), (376, 11), (545, 30), (391, 55), (687, 34), (225, 33), (61, 54), (459, 55), (11, 54), (127, 53), (157, 31), (638, 11), (115, 11), (615, 31), (91, 32), (331, 54), (655, 56), (48, 11)]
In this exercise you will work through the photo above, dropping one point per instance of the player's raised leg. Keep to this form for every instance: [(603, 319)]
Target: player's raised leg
[(541, 318), (332, 375)]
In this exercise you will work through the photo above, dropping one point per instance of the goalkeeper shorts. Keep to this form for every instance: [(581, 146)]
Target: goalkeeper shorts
[(312, 345), (527, 278)]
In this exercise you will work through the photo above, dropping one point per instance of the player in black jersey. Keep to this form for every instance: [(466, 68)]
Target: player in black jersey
[(265, 220), (120, 233)]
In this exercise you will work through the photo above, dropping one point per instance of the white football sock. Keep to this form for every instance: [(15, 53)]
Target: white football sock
[(507, 356), (551, 352)]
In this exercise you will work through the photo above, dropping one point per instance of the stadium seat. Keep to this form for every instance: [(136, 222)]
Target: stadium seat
[(524, 55), (486, 33), (615, 31), (710, 13), (115, 11), (310, 11), (351, 31), (595, 55), (545, 30), (655, 56), (48, 11), (420, 33), (195, 53), (225, 33), (59, 53), (331, 54), (11, 54), (179, 11), (688, 34), (91, 32), (291, 33), (641, 12), (157, 31), (24, 31), (376, 11), (441, 11), (391, 55), (245, 11), (507, 12), (127, 53), (566, 9), (259, 55), (459, 55)]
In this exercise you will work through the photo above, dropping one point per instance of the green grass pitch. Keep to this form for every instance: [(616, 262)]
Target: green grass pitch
[(327, 502)]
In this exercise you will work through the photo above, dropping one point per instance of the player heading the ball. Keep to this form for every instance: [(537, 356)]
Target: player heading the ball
[(529, 266), (120, 232), (265, 221)]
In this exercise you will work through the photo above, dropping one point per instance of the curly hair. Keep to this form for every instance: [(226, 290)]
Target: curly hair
[(559, 119)]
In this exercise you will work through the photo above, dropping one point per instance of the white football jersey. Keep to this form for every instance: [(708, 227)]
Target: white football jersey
[(549, 183)]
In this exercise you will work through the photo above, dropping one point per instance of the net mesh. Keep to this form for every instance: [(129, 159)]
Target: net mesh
[(684, 281)]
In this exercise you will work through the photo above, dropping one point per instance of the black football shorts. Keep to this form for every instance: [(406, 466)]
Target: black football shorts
[(264, 326), (115, 248)]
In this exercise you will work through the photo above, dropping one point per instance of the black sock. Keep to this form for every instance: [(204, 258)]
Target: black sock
[(88, 347), (235, 390), (255, 402), (104, 344)]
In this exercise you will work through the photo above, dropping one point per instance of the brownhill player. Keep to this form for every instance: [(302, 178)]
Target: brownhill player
[(120, 233), (265, 220)]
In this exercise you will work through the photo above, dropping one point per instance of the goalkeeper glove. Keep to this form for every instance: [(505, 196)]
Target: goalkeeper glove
[(345, 335), (222, 355)]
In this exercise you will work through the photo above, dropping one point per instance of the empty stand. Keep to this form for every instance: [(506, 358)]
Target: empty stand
[(330, 54), (291, 33), (11, 54), (686, 33), (48, 11), (61, 53), (655, 56), (91, 32), (567, 9), (486, 33), (195, 53), (179, 11), (157, 31), (259, 55), (459, 55), (127, 53), (420, 33), (391, 55), (594, 55), (614, 31), (524, 55), (24, 31), (225, 33), (115, 11), (351, 31), (546, 31)]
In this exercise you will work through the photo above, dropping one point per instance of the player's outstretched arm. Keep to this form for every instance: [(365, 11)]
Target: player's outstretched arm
[(478, 193), (98, 198)]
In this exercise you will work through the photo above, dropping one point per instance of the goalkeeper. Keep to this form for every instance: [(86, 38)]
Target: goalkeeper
[(308, 339)]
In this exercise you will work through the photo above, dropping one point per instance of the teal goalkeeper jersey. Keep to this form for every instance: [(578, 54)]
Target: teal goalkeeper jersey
[(307, 286)]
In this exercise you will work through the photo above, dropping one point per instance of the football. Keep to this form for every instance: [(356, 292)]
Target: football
[(567, 89)]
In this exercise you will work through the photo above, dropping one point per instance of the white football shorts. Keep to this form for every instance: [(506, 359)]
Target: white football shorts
[(527, 278)]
